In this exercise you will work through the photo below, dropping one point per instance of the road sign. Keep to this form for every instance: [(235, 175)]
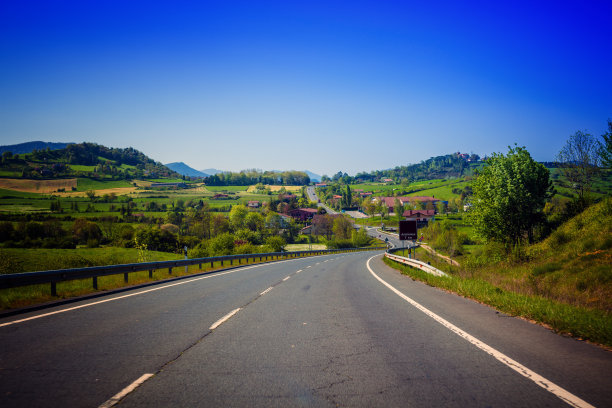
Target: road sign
[(408, 230)]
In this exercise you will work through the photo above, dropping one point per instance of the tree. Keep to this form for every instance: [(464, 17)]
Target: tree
[(579, 160), (237, 215), (276, 243), (342, 228), (398, 208), (509, 196), (254, 221), (605, 148), (348, 197)]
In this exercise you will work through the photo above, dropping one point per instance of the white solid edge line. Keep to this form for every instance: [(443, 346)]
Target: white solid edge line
[(118, 397), (189, 280), (223, 319), (549, 386)]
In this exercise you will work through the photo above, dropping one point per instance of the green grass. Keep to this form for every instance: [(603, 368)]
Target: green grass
[(233, 189), (85, 184), (10, 174), (588, 324), (13, 193), (82, 168), (16, 260)]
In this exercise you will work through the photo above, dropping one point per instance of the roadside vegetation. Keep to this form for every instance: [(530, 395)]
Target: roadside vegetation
[(552, 265)]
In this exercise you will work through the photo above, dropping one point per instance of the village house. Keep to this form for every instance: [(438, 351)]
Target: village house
[(303, 214), (422, 217), (254, 204), (287, 197), (389, 202), (220, 197)]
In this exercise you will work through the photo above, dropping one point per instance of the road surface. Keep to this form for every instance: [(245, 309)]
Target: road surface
[(334, 330), (313, 197)]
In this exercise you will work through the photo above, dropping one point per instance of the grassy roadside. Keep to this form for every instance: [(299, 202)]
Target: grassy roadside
[(582, 323)]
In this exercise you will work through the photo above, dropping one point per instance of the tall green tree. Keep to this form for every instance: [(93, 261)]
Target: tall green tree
[(579, 162), (237, 215), (509, 194), (605, 148)]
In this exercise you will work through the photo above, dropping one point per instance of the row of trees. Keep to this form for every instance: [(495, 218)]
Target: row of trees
[(450, 165), (250, 177)]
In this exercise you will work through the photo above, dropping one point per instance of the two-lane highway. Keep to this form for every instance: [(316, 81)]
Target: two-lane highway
[(325, 331)]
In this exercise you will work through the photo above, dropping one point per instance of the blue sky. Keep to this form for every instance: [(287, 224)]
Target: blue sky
[(318, 85)]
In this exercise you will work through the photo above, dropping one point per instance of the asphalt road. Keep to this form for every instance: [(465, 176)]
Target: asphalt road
[(313, 197), (321, 331)]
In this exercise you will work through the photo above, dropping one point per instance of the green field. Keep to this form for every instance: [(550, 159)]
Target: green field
[(85, 184), (226, 189)]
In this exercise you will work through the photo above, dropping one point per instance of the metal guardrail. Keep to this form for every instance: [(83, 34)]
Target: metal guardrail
[(413, 262), (15, 280)]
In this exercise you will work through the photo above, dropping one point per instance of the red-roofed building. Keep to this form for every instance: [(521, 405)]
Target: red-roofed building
[(288, 197), (389, 202), (422, 217), (303, 214)]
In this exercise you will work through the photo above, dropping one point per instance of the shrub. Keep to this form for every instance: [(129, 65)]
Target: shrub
[(276, 244)]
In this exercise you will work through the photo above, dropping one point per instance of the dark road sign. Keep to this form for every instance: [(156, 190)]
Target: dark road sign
[(408, 230)]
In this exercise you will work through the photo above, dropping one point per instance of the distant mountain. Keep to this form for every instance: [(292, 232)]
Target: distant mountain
[(212, 171), (313, 177), (29, 147), (185, 170)]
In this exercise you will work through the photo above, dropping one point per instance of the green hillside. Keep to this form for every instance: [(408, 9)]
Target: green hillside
[(84, 160)]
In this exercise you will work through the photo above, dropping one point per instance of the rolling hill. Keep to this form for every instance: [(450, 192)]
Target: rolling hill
[(29, 147), (185, 170)]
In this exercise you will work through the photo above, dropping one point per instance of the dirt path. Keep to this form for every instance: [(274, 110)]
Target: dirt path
[(439, 255)]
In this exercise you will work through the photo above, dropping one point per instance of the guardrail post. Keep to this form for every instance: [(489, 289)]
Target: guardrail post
[(170, 271), (212, 264), (95, 282), (125, 277), (200, 265), (231, 261), (53, 289), (150, 273)]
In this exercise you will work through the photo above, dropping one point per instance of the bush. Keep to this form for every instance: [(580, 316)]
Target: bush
[(199, 251), (222, 244), (339, 243), (276, 244)]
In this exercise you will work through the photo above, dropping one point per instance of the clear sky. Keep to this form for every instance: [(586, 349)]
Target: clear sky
[(318, 85)]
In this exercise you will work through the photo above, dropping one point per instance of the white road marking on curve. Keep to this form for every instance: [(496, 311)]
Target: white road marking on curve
[(266, 291), (119, 396), (224, 319), (548, 385)]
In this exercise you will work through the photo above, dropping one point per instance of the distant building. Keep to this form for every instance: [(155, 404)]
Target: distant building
[(389, 202), (303, 214), (220, 197), (321, 185), (422, 217), (287, 197), (254, 204)]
